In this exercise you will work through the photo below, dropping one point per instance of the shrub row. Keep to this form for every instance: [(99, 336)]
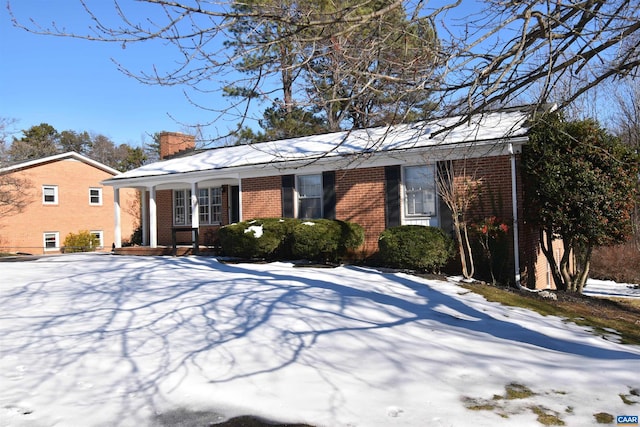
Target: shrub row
[(286, 238), (411, 246)]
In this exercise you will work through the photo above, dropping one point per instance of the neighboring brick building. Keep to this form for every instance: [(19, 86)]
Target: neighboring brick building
[(377, 178), (64, 194)]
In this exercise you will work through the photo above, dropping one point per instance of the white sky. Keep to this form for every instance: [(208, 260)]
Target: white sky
[(97, 340)]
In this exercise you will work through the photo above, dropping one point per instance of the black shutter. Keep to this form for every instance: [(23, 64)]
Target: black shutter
[(235, 203), (288, 186), (329, 194), (445, 216), (392, 176)]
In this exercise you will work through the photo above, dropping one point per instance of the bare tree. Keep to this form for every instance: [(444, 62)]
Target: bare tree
[(627, 120), (627, 127), (5, 125), (486, 56), (14, 190), (458, 192), (14, 194)]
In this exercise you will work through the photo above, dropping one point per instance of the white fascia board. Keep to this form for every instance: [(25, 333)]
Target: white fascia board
[(175, 180), (58, 157)]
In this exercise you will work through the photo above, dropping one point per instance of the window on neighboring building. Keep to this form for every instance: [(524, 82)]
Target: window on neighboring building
[(50, 194), (99, 236), (210, 206), (95, 196), (51, 241), (309, 188), (419, 190)]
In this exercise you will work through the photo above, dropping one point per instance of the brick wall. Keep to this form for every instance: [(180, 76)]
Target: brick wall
[(23, 231), (360, 199), (262, 197), (494, 198), (494, 177), (164, 216)]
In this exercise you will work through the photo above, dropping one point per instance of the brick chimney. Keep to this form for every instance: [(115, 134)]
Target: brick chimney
[(172, 143)]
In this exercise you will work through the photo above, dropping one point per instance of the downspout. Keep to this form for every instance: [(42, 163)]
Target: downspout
[(514, 206)]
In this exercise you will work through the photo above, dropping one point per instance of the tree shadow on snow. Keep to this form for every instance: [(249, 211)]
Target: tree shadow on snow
[(131, 320)]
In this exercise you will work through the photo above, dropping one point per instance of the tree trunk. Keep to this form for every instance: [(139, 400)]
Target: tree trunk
[(465, 261), (584, 274), (546, 245)]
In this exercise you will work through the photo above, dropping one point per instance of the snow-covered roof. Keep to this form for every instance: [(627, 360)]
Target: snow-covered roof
[(57, 157), (489, 128)]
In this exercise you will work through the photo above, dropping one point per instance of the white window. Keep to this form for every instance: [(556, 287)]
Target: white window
[(50, 194), (419, 190), (210, 206), (180, 198), (216, 205), (98, 235), (51, 241), (309, 188), (203, 202), (95, 196)]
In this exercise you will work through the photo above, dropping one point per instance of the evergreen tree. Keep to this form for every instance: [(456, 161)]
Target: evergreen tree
[(265, 46), (70, 140), (131, 157), (376, 73), (36, 142), (372, 66), (278, 123), (580, 187)]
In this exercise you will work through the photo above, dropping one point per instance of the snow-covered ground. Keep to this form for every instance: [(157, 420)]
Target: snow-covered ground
[(610, 289), (101, 340)]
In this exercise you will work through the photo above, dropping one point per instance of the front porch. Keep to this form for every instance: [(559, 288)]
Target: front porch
[(165, 251)]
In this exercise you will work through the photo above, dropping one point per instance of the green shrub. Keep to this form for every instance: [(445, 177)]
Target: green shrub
[(352, 236), (258, 238), (83, 241), (275, 238), (136, 237), (415, 247), (325, 240), (316, 240)]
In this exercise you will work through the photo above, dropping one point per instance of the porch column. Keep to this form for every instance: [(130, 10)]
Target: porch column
[(195, 217), (144, 220), (117, 231), (240, 217), (195, 206), (153, 219)]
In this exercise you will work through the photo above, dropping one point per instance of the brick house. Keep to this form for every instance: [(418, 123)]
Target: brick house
[(378, 178), (64, 194)]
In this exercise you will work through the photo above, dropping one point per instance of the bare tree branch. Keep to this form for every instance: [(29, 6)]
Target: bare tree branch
[(498, 54)]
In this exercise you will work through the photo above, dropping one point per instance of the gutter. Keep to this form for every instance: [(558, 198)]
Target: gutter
[(514, 206)]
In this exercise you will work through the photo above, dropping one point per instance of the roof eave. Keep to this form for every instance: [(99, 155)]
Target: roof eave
[(443, 151)]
